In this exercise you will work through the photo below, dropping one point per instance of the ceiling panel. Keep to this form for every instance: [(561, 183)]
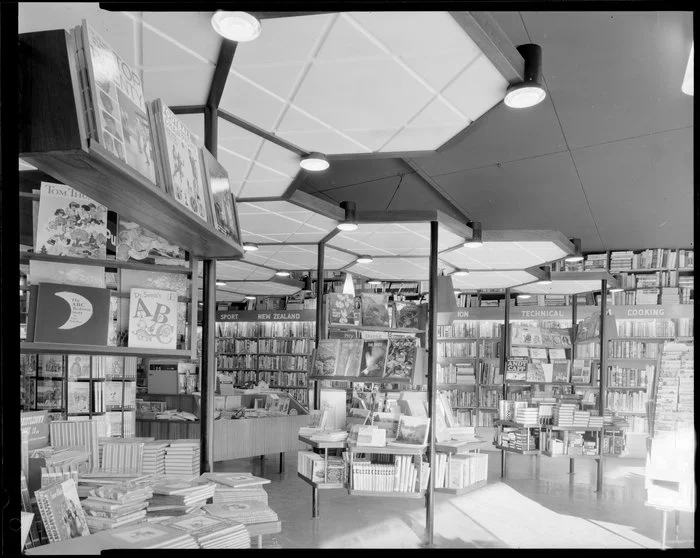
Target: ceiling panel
[(530, 194), (407, 269), (261, 288), (561, 287), (615, 75), (167, 84), (225, 296), (641, 190), (188, 31), (491, 280), (280, 221), (414, 193), (240, 271), (298, 257)]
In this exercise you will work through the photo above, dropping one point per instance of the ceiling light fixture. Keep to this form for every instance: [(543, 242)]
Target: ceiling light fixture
[(314, 162), (547, 279), (250, 247), (530, 91), (349, 223), (282, 273), (616, 290), (376, 282), (524, 295), (475, 240), (349, 285), (460, 272), (220, 284), (365, 260), (577, 256), (250, 297), (687, 86), (236, 26)]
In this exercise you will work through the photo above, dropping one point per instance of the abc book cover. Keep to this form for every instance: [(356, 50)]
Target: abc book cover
[(153, 319)]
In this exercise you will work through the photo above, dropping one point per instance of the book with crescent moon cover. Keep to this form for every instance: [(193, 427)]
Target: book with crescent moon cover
[(70, 314)]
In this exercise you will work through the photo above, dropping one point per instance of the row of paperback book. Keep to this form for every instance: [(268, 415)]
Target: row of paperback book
[(633, 349), (264, 346), (485, 329), (265, 329), (402, 476), (619, 376)]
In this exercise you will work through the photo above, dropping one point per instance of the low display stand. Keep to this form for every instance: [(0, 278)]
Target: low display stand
[(316, 486), (458, 448)]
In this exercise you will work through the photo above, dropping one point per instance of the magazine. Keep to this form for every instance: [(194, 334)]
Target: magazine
[(516, 368), (325, 361), (349, 357), (375, 311), (223, 202), (51, 366), (407, 315), (411, 431), (78, 366), (342, 309), (535, 372), (560, 370), (373, 361), (153, 319), (78, 397), (49, 394), (401, 356)]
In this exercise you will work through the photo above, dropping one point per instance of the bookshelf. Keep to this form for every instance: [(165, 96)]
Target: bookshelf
[(360, 482)]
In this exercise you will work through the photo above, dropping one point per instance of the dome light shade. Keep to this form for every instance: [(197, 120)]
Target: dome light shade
[(250, 247), (314, 162), (236, 26), (530, 91), (349, 224), (375, 282), (461, 272), (220, 284), (365, 259), (282, 273), (349, 285), (524, 295), (250, 297)]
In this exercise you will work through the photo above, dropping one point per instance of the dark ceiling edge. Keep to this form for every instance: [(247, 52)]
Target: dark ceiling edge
[(437, 189)]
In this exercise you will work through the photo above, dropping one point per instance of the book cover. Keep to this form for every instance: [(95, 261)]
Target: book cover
[(412, 431), (349, 357), (180, 160), (407, 315), (70, 224), (326, 357), (66, 274), (222, 201), (375, 311), (374, 352), (137, 243), (516, 368), (78, 366), (118, 104), (78, 397), (557, 354), (401, 356), (581, 371), (538, 354), (519, 351), (61, 510), (535, 372), (51, 366), (342, 309), (71, 314), (153, 319)]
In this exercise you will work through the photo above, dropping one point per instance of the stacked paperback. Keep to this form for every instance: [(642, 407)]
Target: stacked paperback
[(564, 414), (313, 466), (123, 456), (524, 441), (154, 458), (179, 497), (245, 511), (108, 507), (468, 469), (234, 487), (182, 458), (528, 416), (211, 532), (581, 418), (595, 421)]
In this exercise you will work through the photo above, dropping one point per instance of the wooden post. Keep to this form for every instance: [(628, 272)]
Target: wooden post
[(320, 321)]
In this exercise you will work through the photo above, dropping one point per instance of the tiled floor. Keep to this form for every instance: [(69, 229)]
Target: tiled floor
[(524, 510)]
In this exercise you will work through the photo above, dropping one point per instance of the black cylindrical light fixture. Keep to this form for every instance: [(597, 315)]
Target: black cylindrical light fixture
[(547, 279), (577, 256), (475, 241), (349, 223), (530, 91)]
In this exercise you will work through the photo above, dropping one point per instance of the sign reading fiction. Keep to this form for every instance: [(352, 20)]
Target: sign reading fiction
[(267, 316)]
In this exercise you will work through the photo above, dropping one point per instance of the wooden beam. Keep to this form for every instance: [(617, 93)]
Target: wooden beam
[(187, 109), (317, 205), (223, 67), (253, 129), (493, 42)]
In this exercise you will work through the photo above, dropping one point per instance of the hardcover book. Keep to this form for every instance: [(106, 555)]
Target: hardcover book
[(535, 372), (375, 311), (78, 366), (51, 366), (114, 102), (401, 356), (519, 351), (516, 368), (349, 357), (222, 200), (70, 224), (49, 394), (407, 315), (179, 160), (581, 371), (538, 354), (412, 431), (61, 512), (326, 359), (153, 319), (78, 397), (342, 309), (557, 354), (374, 352), (136, 243), (71, 314)]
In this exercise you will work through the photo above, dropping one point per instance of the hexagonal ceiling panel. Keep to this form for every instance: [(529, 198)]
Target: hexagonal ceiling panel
[(298, 257), (491, 280), (363, 82), (281, 221), (261, 288), (405, 269), (241, 271)]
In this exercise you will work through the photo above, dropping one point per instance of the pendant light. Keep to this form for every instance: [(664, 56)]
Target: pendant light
[(374, 283), (530, 91), (349, 286), (687, 86), (220, 284), (314, 162), (250, 297), (460, 272), (282, 273), (577, 256), (365, 260), (240, 27), (475, 240), (349, 224), (250, 247), (446, 300)]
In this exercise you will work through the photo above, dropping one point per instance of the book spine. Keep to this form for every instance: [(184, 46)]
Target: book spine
[(88, 106)]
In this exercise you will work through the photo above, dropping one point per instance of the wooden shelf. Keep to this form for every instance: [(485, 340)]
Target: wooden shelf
[(361, 380), (526, 383), (627, 387), (457, 447), (441, 339), (29, 256), (386, 450), (609, 359), (521, 452), (322, 485), (266, 354), (53, 348), (452, 358), (452, 386), (513, 424), (458, 491), (388, 494), (322, 445), (573, 428), (376, 328)]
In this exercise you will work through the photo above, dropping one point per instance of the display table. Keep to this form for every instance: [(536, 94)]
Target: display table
[(458, 448), (257, 530), (316, 486)]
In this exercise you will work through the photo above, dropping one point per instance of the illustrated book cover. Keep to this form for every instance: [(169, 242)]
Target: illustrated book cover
[(78, 397), (516, 368), (412, 431), (49, 394), (349, 357), (78, 366), (326, 357), (50, 366), (407, 315), (61, 512), (375, 310), (115, 104), (373, 362), (342, 309), (222, 201), (401, 357), (137, 243), (70, 224), (560, 370), (71, 314), (66, 274), (581, 371), (153, 319), (535, 372)]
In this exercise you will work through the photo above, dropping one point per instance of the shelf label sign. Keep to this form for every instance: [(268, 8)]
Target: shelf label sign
[(36, 423), (267, 316), (646, 311)]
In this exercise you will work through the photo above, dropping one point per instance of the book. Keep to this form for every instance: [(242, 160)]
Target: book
[(349, 357), (407, 314), (411, 431), (70, 314), (78, 397), (70, 224), (560, 371), (153, 319), (538, 353), (375, 311), (519, 351), (49, 394), (535, 372), (137, 243), (222, 201), (557, 354), (373, 362), (401, 356), (66, 274), (516, 368), (581, 371), (61, 512), (78, 366), (343, 309), (51, 366), (326, 357), (178, 160), (235, 480)]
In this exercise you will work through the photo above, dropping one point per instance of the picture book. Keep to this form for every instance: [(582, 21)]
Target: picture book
[(66, 274), (342, 309), (114, 101), (581, 371), (407, 314), (70, 224), (78, 397), (78, 366), (560, 370), (540, 354), (349, 357), (326, 357), (375, 310), (519, 351), (51, 366), (535, 372), (179, 160), (374, 352), (113, 393), (235, 480), (61, 512), (557, 354), (412, 431), (71, 314), (222, 200), (401, 357), (516, 369), (153, 319), (137, 243)]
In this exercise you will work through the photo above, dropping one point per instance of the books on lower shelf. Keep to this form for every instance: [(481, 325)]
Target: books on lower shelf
[(61, 512), (401, 476), (313, 466), (467, 470)]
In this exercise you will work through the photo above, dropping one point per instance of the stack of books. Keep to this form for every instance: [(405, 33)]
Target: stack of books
[(581, 418), (524, 441), (595, 421), (564, 414), (121, 456), (554, 300), (154, 457), (150, 535), (211, 532), (647, 296), (109, 507), (670, 295), (245, 511), (234, 487), (468, 469), (179, 497), (329, 436), (595, 262), (182, 458), (528, 416), (621, 261)]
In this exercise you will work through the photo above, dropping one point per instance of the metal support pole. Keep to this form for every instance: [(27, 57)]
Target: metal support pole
[(574, 317), (320, 315), (432, 366), (505, 351), (208, 364), (602, 373)]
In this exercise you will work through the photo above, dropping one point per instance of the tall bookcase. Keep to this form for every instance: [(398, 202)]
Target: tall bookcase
[(274, 346)]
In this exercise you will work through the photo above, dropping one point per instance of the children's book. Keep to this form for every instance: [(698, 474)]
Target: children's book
[(137, 243), (326, 357), (78, 366), (341, 308), (222, 201), (373, 362), (407, 315), (153, 319), (78, 397), (516, 368), (412, 431), (375, 310), (61, 512), (401, 356), (350, 357)]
